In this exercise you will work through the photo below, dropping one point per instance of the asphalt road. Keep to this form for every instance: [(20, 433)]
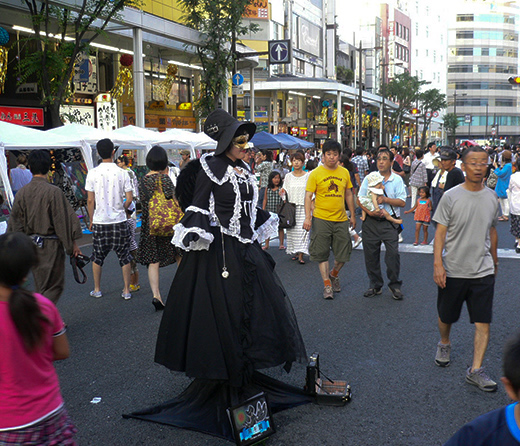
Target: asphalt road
[(383, 348)]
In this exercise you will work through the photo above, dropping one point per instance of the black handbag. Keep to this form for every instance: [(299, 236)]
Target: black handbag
[(394, 215), (287, 214)]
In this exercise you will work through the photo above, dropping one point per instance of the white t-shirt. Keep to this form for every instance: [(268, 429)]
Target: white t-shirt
[(109, 184)]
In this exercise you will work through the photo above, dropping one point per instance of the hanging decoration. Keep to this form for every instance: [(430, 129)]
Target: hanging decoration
[(164, 88), (4, 39), (124, 80)]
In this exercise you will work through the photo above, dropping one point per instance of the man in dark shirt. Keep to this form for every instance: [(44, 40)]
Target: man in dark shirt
[(455, 176)]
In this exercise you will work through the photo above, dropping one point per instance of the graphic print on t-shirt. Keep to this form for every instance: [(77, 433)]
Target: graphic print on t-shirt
[(333, 187)]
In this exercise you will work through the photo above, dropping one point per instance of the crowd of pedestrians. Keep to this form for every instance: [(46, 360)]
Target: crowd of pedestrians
[(447, 187)]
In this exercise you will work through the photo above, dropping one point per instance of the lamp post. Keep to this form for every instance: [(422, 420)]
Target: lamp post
[(360, 99)]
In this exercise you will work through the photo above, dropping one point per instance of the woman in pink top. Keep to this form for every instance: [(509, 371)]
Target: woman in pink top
[(32, 336)]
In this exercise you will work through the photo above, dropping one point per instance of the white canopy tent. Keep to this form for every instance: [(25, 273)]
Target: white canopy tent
[(198, 141), (17, 137)]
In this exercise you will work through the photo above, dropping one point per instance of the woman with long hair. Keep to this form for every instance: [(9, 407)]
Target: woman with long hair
[(32, 336)]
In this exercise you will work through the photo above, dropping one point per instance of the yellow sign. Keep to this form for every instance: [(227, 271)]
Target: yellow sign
[(257, 9)]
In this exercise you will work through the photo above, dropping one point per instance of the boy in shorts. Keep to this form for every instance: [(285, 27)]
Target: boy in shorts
[(465, 262), (331, 185)]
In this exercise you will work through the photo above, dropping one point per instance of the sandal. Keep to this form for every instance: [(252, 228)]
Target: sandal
[(281, 247), (415, 244), (294, 258), (301, 262)]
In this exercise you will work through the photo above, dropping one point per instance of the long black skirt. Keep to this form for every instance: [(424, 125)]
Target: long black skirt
[(220, 332), (225, 328)]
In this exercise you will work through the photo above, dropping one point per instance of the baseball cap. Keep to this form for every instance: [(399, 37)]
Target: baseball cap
[(448, 154)]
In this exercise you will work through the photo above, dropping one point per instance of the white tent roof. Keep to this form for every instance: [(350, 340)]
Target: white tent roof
[(14, 136), (90, 134), (136, 136), (199, 141)]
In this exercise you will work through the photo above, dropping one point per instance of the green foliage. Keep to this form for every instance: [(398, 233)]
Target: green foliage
[(430, 101), (451, 123), (60, 35), (220, 21), (403, 90), (345, 75)]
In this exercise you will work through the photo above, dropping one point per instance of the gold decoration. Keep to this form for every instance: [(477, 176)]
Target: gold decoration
[(124, 80), (3, 67), (323, 115), (163, 89)]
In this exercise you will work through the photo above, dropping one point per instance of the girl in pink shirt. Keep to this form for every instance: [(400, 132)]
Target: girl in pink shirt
[(32, 336)]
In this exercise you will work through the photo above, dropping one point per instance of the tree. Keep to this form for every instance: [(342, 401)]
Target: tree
[(345, 75), (60, 35), (220, 21), (404, 90), (430, 101), (451, 123)]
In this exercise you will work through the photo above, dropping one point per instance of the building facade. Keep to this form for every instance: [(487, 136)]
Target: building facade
[(482, 55)]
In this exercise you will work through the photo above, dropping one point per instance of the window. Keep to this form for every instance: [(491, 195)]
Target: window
[(426, 52), (416, 29), (485, 51), (464, 17), (435, 56), (465, 35), (427, 32)]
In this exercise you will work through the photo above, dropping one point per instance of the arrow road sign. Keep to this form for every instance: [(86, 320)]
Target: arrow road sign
[(238, 79), (279, 51)]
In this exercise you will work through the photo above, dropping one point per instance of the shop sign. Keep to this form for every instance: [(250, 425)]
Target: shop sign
[(303, 132), (162, 121), (73, 114), (295, 131), (257, 9), (28, 116), (85, 75), (321, 130), (106, 113)]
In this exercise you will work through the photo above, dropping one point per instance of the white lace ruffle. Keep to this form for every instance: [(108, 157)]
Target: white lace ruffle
[(268, 229), (197, 209), (180, 231)]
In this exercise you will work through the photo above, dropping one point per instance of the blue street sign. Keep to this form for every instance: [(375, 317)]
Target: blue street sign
[(279, 51), (238, 79)]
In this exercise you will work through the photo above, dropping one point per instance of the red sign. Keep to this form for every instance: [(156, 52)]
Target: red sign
[(295, 131), (321, 130), (303, 132), (29, 116)]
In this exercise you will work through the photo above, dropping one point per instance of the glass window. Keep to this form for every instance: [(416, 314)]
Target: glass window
[(465, 35), (464, 17)]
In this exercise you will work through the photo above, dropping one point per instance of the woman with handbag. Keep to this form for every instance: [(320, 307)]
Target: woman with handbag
[(156, 251), (294, 190)]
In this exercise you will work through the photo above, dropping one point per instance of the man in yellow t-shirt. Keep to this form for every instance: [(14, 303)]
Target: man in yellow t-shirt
[(331, 186)]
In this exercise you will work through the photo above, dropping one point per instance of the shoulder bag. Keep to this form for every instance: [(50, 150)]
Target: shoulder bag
[(287, 214), (163, 214), (492, 180)]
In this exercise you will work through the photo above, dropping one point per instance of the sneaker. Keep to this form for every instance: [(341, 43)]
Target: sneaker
[(396, 293), (328, 293), (96, 294), (517, 249), (126, 296), (400, 239), (480, 379), (442, 357), (336, 287), (371, 292), (135, 288), (357, 242)]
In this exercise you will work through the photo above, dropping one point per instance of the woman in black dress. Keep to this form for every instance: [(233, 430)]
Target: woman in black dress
[(227, 314)]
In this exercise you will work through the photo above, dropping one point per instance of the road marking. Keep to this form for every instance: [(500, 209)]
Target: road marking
[(428, 249)]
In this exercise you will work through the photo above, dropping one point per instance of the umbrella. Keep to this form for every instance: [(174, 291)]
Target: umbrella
[(264, 140), (289, 142)]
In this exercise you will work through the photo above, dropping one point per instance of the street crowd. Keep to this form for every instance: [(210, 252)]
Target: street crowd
[(340, 199)]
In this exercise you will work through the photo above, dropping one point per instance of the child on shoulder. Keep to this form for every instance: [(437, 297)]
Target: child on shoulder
[(423, 214)]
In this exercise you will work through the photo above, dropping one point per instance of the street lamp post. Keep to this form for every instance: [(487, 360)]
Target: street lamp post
[(360, 100)]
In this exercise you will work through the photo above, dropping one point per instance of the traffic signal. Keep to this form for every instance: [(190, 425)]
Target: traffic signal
[(414, 111), (514, 80)]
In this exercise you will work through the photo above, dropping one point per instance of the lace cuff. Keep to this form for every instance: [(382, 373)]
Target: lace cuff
[(268, 229), (191, 239)]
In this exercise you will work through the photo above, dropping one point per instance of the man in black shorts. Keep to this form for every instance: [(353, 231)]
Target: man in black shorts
[(465, 262)]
